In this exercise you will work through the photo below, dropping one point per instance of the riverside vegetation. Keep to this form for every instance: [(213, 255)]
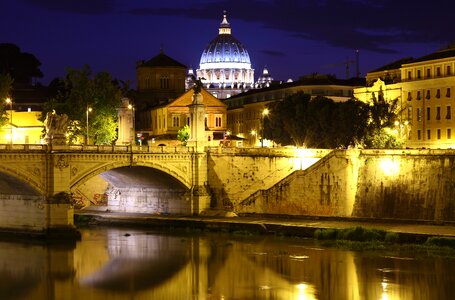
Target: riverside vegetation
[(360, 238)]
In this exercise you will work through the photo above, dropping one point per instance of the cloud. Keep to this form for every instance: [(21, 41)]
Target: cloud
[(89, 7), (354, 24)]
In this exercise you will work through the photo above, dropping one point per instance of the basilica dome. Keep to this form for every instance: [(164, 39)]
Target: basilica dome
[(225, 62)]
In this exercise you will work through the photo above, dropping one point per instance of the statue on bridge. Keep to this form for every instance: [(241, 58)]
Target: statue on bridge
[(56, 126)]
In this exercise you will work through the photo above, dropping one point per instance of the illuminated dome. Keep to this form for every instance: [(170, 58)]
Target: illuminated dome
[(225, 62)]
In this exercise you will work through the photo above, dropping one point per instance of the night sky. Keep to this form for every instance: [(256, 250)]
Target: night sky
[(290, 37)]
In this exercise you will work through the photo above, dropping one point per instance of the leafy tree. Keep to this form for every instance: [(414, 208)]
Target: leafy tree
[(6, 83), (83, 91), (323, 123), (183, 134), (21, 66), (382, 117)]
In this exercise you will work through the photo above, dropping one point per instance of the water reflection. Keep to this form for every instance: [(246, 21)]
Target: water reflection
[(133, 264)]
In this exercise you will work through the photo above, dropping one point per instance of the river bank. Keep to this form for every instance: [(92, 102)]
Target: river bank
[(408, 232)]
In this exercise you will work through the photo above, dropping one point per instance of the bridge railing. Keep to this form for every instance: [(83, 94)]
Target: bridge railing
[(96, 148), (279, 151)]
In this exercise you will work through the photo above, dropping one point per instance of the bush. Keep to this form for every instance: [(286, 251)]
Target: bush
[(326, 234), (358, 233), (440, 241), (392, 237)]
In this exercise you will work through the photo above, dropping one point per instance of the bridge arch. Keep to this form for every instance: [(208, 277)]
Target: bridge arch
[(90, 173), (15, 182)]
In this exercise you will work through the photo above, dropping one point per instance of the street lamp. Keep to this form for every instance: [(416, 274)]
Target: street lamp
[(133, 125), (265, 113), (10, 102), (89, 109)]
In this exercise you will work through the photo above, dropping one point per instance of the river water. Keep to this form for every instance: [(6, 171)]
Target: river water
[(111, 263)]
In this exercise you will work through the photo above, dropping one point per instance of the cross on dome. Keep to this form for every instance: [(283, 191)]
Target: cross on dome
[(225, 27)]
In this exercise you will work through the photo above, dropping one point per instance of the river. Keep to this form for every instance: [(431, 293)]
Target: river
[(121, 263)]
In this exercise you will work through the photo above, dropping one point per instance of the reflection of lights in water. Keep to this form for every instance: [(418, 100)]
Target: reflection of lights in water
[(304, 292), (298, 257), (384, 295)]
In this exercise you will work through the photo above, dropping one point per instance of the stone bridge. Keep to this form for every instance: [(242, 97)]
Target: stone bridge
[(171, 180)]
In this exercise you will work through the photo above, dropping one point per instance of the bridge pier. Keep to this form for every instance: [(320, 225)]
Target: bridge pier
[(200, 196)]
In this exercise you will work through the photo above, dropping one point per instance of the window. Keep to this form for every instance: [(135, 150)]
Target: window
[(428, 134), (449, 71), (218, 121), (448, 93), (176, 121), (438, 93), (438, 133), (449, 112), (449, 133), (206, 121), (438, 113), (418, 74), (418, 95), (409, 96), (419, 135), (419, 114), (438, 71), (409, 75), (164, 82), (428, 113), (410, 113), (428, 96), (428, 73)]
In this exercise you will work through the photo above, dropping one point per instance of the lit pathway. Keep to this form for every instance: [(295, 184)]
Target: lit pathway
[(289, 225)]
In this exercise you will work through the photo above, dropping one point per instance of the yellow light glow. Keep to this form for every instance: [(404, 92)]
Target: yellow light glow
[(253, 132), (305, 158), (265, 112), (304, 292), (390, 166)]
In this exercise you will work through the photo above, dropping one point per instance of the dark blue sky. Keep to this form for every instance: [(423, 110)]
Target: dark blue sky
[(291, 37)]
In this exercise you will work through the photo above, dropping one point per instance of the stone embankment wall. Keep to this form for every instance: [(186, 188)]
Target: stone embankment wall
[(398, 184), (234, 176), (27, 213)]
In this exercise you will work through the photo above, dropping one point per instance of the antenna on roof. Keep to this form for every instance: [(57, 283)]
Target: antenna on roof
[(357, 67)]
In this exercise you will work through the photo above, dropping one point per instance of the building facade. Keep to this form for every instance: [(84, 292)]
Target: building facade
[(168, 119), (427, 89), (225, 66), (159, 80), (424, 88)]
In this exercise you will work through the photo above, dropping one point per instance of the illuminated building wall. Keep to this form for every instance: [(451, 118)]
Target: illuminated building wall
[(169, 118), (428, 86), (26, 128)]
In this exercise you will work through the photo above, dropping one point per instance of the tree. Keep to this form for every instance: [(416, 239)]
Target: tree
[(21, 66), (6, 83), (83, 91), (183, 134), (323, 123)]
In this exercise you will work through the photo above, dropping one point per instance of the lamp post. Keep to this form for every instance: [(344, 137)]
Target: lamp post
[(133, 125), (265, 113), (89, 109), (10, 102)]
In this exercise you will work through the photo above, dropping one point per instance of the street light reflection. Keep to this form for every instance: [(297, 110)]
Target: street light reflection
[(304, 292)]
